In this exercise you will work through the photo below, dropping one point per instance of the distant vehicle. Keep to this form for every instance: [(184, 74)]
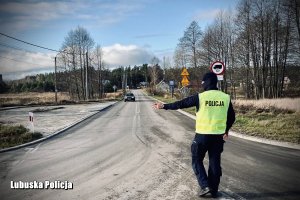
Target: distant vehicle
[(129, 97)]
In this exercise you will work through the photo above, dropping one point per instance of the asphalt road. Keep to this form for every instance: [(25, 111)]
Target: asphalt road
[(131, 152)]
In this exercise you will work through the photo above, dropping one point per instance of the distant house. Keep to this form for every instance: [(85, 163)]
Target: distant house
[(286, 82), (104, 82), (144, 84)]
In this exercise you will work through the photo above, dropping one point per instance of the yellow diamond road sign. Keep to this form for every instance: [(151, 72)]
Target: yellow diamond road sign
[(184, 72), (185, 81)]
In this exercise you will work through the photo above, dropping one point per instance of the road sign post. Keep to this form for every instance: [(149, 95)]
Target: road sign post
[(31, 120), (171, 84), (114, 87)]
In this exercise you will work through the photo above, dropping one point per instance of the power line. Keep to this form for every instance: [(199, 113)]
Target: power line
[(37, 45), (17, 48), (29, 43), (21, 49), (60, 67)]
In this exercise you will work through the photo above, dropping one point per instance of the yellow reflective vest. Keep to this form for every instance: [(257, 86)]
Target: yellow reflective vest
[(212, 114)]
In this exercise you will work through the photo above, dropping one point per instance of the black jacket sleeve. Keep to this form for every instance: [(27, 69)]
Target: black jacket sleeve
[(230, 117), (184, 103)]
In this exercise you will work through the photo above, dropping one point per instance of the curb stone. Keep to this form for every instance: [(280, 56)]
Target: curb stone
[(56, 132), (246, 137)]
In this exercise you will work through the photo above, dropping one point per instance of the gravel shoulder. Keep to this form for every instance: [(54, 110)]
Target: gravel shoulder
[(50, 119)]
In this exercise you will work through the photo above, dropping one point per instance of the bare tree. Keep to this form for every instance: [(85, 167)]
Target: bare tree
[(190, 43), (244, 32), (206, 55), (295, 9), (77, 43), (265, 28), (98, 54), (154, 70), (218, 43), (180, 56)]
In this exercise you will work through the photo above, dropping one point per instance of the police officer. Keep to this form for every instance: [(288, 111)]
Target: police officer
[(214, 118)]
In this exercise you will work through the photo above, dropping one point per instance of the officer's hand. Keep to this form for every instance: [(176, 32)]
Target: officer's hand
[(158, 105), (225, 136)]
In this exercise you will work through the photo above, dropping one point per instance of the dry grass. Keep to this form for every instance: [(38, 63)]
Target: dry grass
[(292, 104), (114, 95), (277, 119), (28, 98), (37, 98)]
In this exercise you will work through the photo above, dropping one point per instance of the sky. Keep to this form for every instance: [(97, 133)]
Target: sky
[(131, 32)]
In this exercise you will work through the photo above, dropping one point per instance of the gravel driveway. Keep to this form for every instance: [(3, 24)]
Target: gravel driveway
[(49, 119)]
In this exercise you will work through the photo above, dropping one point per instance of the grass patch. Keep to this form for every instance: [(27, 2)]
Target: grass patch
[(270, 123), (113, 96), (16, 135), (165, 99)]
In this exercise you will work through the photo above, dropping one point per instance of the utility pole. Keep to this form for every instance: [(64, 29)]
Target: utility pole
[(55, 81), (123, 81), (86, 78), (164, 70)]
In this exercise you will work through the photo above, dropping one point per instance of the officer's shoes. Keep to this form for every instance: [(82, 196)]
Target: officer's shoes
[(204, 191), (215, 194)]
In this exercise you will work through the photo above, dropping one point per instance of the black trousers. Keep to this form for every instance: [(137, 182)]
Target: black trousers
[(213, 144)]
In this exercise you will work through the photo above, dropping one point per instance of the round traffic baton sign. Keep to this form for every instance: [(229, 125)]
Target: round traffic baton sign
[(218, 68)]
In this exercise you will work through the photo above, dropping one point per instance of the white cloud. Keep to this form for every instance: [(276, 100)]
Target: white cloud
[(17, 64), (20, 61), (20, 75), (206, 15), (124, 55)]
